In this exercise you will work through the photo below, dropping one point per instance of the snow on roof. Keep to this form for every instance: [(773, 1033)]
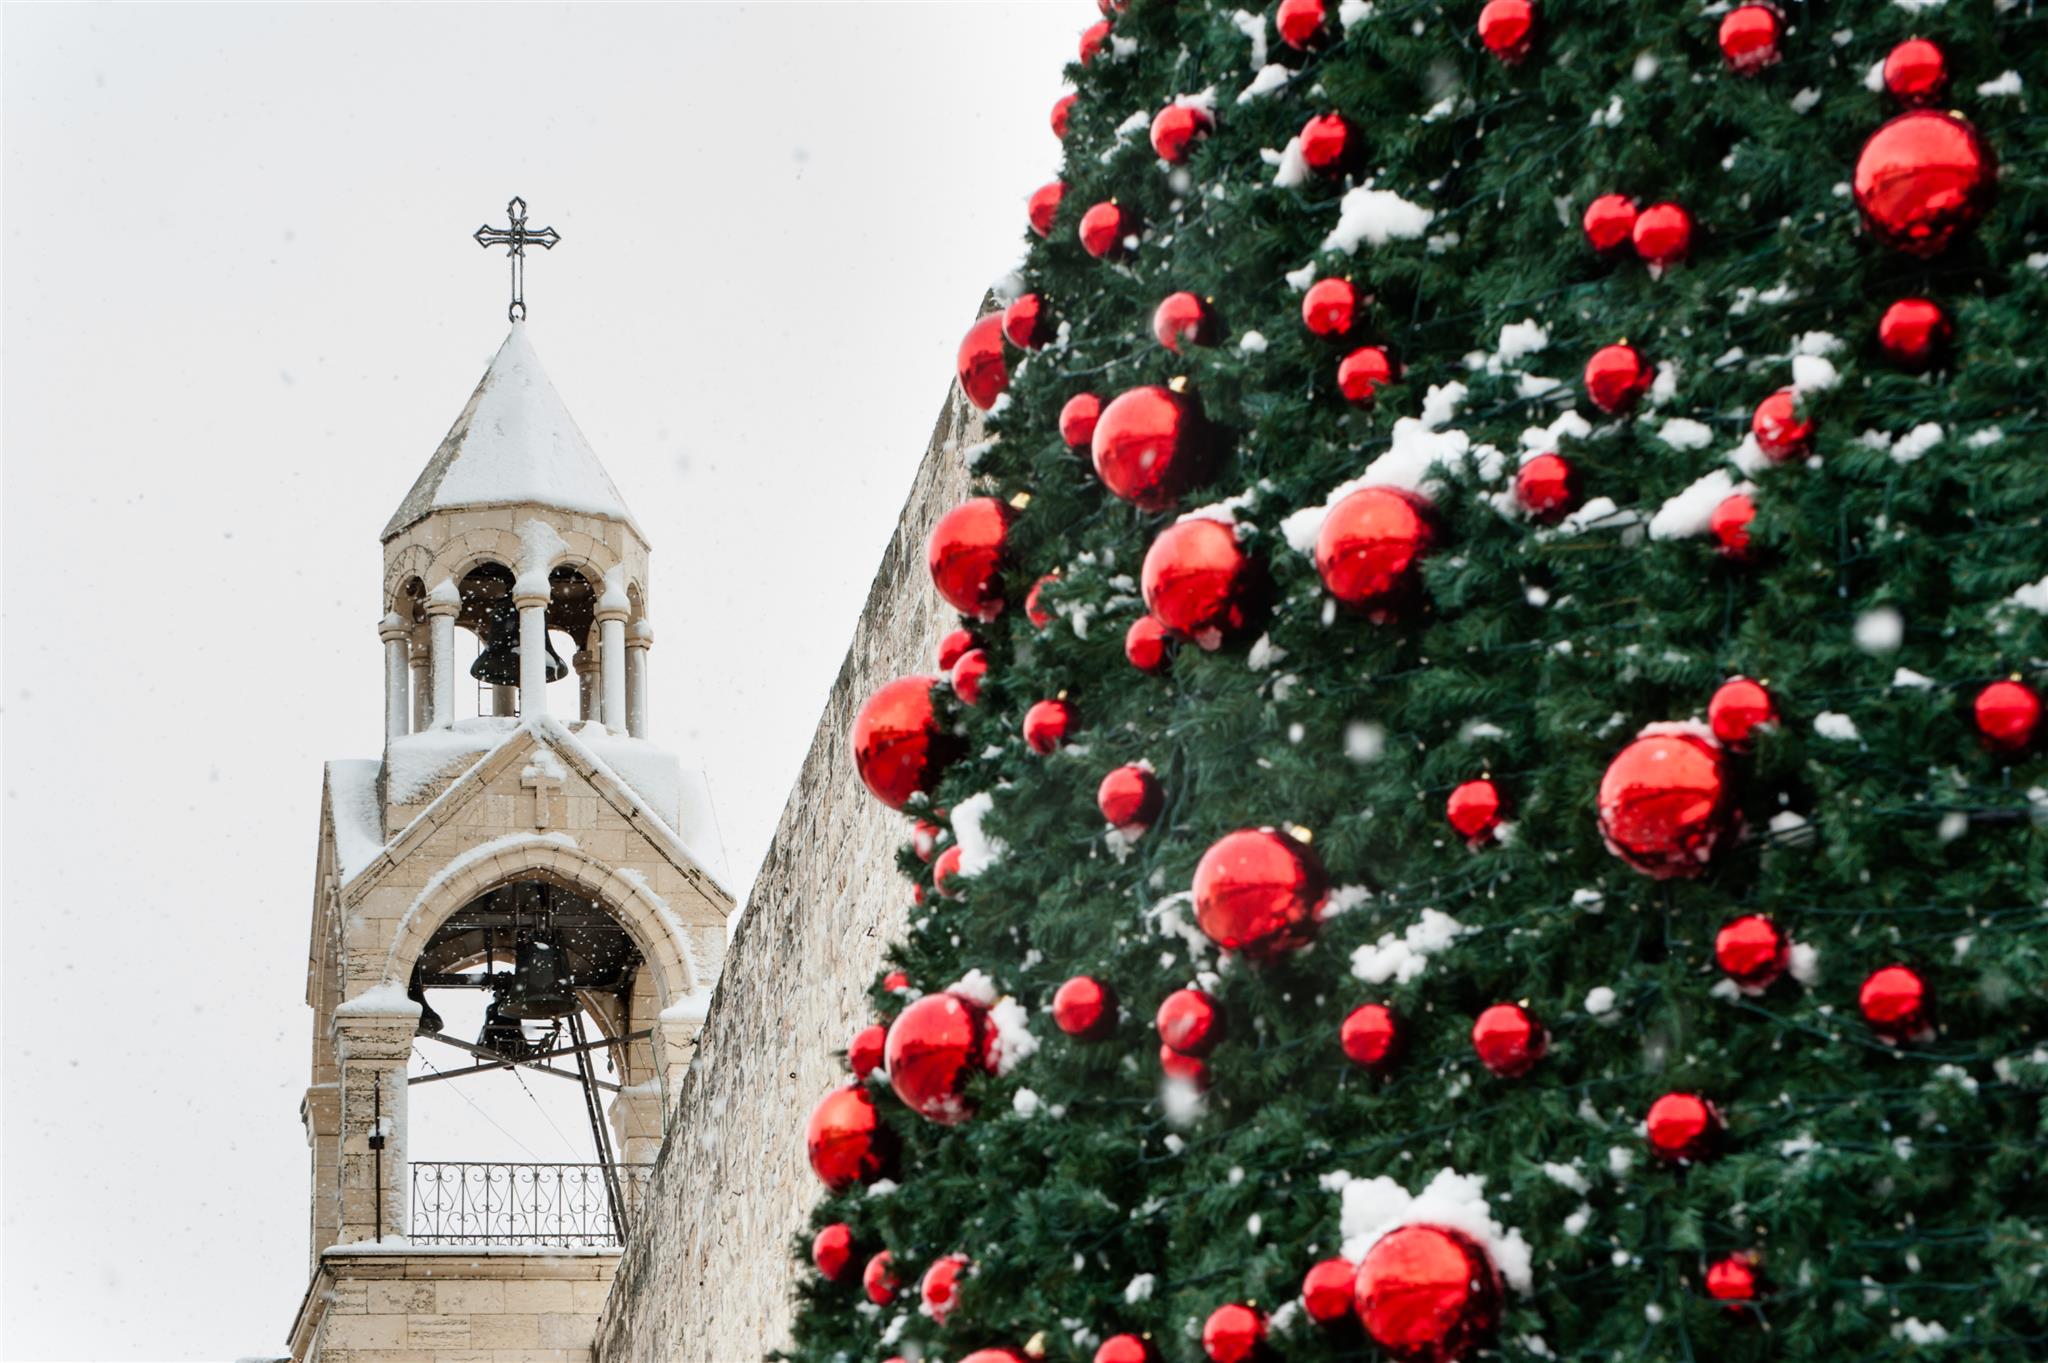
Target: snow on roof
[(514, 443), (358, 815)]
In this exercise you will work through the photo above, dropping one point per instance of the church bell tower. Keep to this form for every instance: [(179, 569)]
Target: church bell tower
[(526, 842)]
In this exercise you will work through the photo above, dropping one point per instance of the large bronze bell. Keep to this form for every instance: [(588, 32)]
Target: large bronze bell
[(498, 663), (539, 987)]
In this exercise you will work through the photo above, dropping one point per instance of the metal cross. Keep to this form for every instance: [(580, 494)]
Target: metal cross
[(515, 240)]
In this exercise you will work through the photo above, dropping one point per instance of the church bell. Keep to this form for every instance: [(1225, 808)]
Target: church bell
[(502, 1035), (430, 1021), (539, 987), (498, 663)]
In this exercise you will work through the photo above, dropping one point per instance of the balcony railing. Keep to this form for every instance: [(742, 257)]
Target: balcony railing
[(554, 1205)]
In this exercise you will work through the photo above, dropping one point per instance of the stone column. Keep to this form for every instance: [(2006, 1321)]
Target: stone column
[(394, 632), (422, 686), (533, 654), (373, 1047), (320, 1111), (585, 663), (441, 613), (638, 640), (611, 648)]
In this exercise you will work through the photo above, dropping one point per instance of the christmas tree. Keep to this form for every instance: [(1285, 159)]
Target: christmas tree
[(1487, 801)]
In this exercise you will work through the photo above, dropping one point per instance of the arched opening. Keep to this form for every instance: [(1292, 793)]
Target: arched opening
[(487, 645)]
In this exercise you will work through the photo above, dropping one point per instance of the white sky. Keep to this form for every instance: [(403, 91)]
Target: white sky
[(241, 308)]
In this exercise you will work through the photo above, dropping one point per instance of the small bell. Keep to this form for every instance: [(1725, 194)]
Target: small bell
[(503, 1036), (498, 663), (430, 1021)]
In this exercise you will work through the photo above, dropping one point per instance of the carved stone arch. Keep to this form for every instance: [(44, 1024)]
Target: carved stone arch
[(471, 549), (412, 561)]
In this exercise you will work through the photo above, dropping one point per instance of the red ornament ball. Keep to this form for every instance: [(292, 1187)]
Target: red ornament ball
[(1729, 525), (939, 1288), (1617, 377), (898, 748), (1665, 804), (1734, 1281), (1475, 809), (878, 1279), (1184, 319), (1897, 1004), (1044, 206), (1738, 709), (1330, 307), (1176, 129), (1752, 952), (1330, 144), (864, 1052), (1300, 22), (1092, 39), (1662, 234), (1125, 1349), (1509, 1040), (1186, 1069), (1682, 1126), (1233, 1333), (1370, 548), (1199, 582), (1752, 38), (967, 674), (1103, 229), (1129, 798), (1548, 488), (1914, 332), (935, 1046), (967, 552), (1371, 1036), (951, 648), (1428, 1294), (846, 1141), (1150, 445), (1077, 419), (946, 870), (1025, 324), (1049, 724), (1326, 1290), (2008, 715), (1085, 1008), (996, 1356), (1507, 29), (1062, 114), (1034, 602), (1609, 222), (981, 367), (832, 1251), (1922, 179), (1781, 432), (1916, 72), (1362, 373), (924, 839), (1259, 891), (1148, 644), (895, 981), (1190, 1022)]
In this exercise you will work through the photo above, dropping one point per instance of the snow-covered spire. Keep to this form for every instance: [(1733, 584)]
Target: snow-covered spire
[(514, 444)]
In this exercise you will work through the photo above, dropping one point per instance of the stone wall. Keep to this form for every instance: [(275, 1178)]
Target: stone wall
[(392, 1305), (707, 1274)]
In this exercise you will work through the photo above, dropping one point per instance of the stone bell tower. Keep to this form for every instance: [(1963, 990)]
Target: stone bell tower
[(538, 848)]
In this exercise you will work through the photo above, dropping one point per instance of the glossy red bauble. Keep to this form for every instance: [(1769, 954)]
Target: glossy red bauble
[(1077, 419), (1148, 644), (1752, 952), (1093, 38), (2008, 715), (1914, 332), (1371, 1036), (1362, 373), (1738, 709), (1184, 319), (1125, 1349), (1617, 377), (1428, 1294), (1330, 144), (1665, 804), (1044, 206), (1609, 222), (898, 748), (1781, 432), (1752, 38), (878, 1279), (1300, 22), (1547, 487), (1103, 229), (935, 1046), (1199, 582), (951, 648), (1186, 1069), (1233, 1333), (1034, 602), (1729, 525), (1370, 548), (997, 1356), (983, 372), (968, 671), (967, 552), (1682, 1126), (1662, 234), (946, 872), (832, 1251), (1474, 809), (939, 1288), (1150, 445), (1326, 1290), (895, 981), (1897, 1004), (1176, 129), (1025, 323), (1330, 307), (1085, 1008), (1129, 798), (1259, 891), (1916, 72), (864, 1052), (1509, 1040), (1062, 115), (1734, 1281), (1922, 179), (924, 834), (1048, 724), (1507, 29), (846, 1141), (1190, 1022)]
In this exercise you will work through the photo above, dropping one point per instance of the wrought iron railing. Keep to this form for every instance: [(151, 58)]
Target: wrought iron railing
[(561, 1205)]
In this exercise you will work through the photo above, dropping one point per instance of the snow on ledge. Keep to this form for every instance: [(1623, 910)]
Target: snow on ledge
[(382, 1000)]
